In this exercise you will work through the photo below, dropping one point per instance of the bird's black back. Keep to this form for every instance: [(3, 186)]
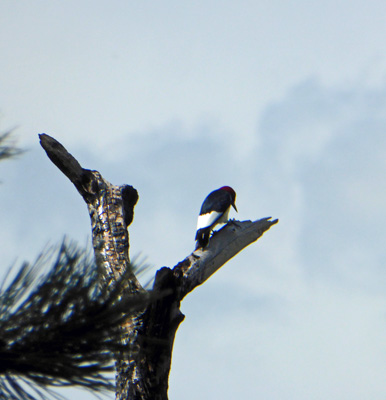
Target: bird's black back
[(218, 200)]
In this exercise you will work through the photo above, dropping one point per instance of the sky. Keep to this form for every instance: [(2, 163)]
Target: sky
[(283, 101)]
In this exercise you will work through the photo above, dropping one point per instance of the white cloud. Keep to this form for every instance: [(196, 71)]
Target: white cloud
[(165, 97), (320, 271), (103, 71), (303, 297)]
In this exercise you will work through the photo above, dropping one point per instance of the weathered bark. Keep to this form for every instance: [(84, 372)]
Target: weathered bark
[(224, 245), (111, 210), (143, 374)]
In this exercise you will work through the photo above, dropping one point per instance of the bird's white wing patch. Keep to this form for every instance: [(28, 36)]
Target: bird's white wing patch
[(206, 220)]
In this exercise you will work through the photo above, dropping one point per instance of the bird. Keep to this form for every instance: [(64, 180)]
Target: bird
[(214, 210)]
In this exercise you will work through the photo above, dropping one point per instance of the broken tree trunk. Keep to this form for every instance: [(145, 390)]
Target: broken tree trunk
[(143, 373)]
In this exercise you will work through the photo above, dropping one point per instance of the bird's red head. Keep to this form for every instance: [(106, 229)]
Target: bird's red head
[(232, 193)]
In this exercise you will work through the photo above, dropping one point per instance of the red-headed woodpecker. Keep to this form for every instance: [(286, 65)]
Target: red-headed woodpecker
[(214, 210)]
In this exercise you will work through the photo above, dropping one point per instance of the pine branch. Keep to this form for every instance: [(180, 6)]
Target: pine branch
[(61, 329), (8, 148)]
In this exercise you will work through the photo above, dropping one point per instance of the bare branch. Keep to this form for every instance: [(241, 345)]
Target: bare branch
[(62, 158), (111, 210), (224, 244)]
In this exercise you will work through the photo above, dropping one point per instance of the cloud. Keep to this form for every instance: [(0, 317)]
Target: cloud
[(322, 156), (319, 274), (300, 314)]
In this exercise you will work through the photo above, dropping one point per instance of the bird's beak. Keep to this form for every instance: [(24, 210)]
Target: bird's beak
[(234, 206)]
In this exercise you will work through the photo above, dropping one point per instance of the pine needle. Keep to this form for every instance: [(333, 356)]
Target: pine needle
[(61, 329)]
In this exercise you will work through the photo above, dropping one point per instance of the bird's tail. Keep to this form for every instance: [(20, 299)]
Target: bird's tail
[(202, 239)]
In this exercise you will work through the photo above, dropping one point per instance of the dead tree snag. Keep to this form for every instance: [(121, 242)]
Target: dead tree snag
[(143, 375)]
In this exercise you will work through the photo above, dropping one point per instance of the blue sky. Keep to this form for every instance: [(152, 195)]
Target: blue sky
[(285, 102)]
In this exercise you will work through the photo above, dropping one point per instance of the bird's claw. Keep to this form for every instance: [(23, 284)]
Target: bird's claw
[(233, 221)]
